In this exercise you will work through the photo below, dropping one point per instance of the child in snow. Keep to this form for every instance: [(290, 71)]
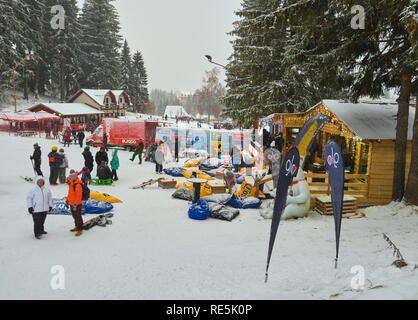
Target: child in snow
[(85, 175), (39, 203), (114, 164)]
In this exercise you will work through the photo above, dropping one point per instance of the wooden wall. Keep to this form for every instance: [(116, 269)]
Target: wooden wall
[(381, 171)]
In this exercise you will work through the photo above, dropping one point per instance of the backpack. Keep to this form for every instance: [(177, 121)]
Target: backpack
[(86, 192)]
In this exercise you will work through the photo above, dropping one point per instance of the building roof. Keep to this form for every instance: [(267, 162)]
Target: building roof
[(97, 95), (70, 109), (369, 121)]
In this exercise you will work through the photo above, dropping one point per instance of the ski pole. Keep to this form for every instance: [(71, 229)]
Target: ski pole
[(33, 166)]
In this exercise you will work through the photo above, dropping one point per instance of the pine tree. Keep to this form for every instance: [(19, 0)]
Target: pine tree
[(11, 33), (139, 91), (100, 43), (259, 79), (65, 51), (360, 62), (126, 69)]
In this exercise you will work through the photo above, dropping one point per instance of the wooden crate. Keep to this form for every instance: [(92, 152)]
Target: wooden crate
[(167, 184), (218, 189), (324, 205)]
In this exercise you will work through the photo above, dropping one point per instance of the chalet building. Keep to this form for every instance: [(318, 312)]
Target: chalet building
[(113, 103)]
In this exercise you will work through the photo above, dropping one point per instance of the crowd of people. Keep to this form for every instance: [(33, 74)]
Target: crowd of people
[(39, 198)]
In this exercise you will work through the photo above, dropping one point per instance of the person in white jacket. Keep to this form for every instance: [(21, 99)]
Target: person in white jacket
[(39, 203)]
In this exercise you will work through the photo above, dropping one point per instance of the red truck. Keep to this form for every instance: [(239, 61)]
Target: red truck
[(124, 133)]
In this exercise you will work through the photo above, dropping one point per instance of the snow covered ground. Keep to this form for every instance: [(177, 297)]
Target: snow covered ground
[(154, 251)]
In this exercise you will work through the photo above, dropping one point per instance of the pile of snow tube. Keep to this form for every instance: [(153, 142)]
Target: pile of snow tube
[(174, 172), (89, 207)]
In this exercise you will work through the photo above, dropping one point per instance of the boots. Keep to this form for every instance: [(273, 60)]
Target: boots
[(73, 230), (78, 233)]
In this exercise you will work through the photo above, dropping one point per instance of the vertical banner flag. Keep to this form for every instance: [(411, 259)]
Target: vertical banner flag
[(335, 167), (288, 171), (307, 134)]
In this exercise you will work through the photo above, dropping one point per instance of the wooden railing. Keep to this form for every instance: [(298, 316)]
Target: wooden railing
[(355, 184)]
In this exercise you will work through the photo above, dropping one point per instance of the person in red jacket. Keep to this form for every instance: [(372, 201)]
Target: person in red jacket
[(75, 201), (67, 137)]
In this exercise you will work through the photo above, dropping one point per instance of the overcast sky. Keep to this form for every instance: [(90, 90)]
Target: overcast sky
[(174, 36)]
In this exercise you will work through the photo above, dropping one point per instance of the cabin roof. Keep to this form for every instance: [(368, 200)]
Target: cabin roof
[(69, 109), (369, 121)]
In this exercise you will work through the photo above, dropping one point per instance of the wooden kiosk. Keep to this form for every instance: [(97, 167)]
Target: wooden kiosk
[(366, 132)]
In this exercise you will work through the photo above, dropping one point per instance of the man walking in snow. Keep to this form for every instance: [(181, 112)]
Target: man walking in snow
[(75, 201), (39, 203), (139, 149), (36, 157), (80, 137)]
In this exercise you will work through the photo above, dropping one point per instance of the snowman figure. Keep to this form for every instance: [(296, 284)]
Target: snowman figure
[(299, 202)]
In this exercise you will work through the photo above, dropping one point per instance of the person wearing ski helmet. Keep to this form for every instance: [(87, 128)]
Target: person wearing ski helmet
[(54, 164)]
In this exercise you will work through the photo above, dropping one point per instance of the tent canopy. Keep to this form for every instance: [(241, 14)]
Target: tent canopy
[(26, 116)]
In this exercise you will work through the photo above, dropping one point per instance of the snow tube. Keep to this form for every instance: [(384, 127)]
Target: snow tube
[(219, 211), (183, 194), (89, 207), (199, 211), (244, 202), (218, 198), (205, 188), (239, 178), (104, 197), (174, 172), (199, 174), (212, 163), (97, 207), (191, 163)]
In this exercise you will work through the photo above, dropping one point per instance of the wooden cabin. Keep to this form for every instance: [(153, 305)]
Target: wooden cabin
[(366, 133)]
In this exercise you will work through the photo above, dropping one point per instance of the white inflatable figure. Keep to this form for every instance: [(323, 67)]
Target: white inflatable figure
[(299, 203)]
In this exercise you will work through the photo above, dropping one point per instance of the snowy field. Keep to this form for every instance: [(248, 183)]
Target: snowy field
[(154, 251)]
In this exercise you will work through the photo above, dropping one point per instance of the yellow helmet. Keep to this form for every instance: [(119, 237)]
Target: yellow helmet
[(54, 148)]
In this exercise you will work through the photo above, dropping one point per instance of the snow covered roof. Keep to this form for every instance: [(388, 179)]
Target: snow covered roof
[(69, 109), (97, 95), (175, 111), (370, 121)]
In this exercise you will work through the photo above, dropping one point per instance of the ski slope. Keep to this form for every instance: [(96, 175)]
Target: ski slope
[(154, 251)]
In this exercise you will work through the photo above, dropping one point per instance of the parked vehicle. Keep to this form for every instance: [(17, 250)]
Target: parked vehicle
[(124, 133)]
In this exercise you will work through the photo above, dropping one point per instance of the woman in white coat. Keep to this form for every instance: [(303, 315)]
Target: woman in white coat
[(39, 203)]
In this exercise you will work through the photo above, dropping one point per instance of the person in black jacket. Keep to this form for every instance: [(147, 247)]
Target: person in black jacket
[(80, 137), (36, 157), (55, 161), (88, 159), (176, 149), (101, 156)]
